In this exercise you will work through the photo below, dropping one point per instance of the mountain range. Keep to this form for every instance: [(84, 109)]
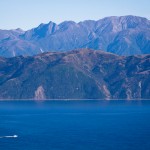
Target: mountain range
[(124, 36), (76, 74)]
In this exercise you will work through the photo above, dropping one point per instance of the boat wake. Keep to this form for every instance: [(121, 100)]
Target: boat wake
[(13, 136)]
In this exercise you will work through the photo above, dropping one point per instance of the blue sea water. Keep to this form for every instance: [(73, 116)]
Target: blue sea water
[(75, 125)]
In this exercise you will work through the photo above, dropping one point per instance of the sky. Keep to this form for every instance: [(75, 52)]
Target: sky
[(27, 14)]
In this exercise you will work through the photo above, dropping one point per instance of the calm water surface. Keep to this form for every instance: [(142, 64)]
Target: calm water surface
[(75, 125)]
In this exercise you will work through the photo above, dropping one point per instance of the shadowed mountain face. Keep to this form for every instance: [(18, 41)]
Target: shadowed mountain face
[(128, 35), (78, 74)]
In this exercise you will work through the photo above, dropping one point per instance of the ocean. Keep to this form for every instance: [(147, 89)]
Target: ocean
[(75, 125)]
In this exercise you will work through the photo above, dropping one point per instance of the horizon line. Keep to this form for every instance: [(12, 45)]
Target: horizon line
[(77, 22)]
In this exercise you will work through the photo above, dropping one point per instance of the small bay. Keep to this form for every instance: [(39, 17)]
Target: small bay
[(75, 125)]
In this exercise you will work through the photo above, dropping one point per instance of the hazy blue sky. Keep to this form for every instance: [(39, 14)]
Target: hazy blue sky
[(27, 14)]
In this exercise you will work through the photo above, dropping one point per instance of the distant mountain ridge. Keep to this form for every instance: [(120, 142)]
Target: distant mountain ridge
[(78, 74), (125, 35)]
